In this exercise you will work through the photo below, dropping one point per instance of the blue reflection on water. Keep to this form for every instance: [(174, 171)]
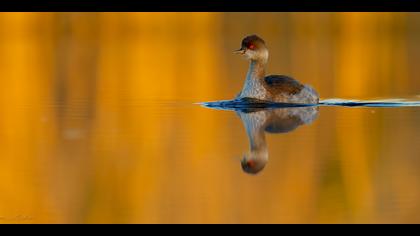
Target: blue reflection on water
[(247, 103)]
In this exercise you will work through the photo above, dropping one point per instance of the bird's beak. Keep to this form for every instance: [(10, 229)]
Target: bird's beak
[(239, 51)]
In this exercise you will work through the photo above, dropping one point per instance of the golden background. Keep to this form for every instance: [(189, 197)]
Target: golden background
[(98, 124)]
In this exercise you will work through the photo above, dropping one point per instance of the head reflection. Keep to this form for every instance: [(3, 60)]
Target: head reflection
[(259, 121)]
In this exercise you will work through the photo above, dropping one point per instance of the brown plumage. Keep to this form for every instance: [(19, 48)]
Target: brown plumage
[(272, 88), (248, 41), (277, 84)]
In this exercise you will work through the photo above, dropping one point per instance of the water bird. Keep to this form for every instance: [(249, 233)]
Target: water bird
[(271, 88)]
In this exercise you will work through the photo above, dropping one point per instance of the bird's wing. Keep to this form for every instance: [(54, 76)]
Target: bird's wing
[(283, 84)]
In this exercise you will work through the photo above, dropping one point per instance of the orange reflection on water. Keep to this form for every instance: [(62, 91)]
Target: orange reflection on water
[(98, 122)]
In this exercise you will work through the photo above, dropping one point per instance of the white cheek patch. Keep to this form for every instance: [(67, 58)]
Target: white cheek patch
[(257, 55), (264, 55), (250, 54)]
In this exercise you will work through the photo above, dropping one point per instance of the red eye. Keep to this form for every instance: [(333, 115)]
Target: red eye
[(251, 46), (250, 163)]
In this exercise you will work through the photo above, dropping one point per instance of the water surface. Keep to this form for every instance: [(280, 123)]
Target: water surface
[(100, 121)]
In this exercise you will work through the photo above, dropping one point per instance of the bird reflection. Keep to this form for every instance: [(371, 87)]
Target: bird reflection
[(259, 121)]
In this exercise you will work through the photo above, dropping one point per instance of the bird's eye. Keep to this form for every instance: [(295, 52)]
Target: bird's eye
[(250, 163), (251, 46)]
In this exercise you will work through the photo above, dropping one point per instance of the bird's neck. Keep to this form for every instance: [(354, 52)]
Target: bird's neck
[(254, 82), (256, 70)]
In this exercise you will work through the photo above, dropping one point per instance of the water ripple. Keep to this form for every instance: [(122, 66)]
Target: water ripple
[(238, 104), (393, 102)]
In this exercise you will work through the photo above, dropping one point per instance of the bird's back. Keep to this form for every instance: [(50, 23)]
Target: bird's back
[(282, 84), (283, 88)]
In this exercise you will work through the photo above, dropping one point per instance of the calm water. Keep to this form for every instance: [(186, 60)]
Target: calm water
[(101, 123)]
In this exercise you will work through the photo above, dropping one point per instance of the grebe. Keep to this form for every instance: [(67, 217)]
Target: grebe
[(272, 88)]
